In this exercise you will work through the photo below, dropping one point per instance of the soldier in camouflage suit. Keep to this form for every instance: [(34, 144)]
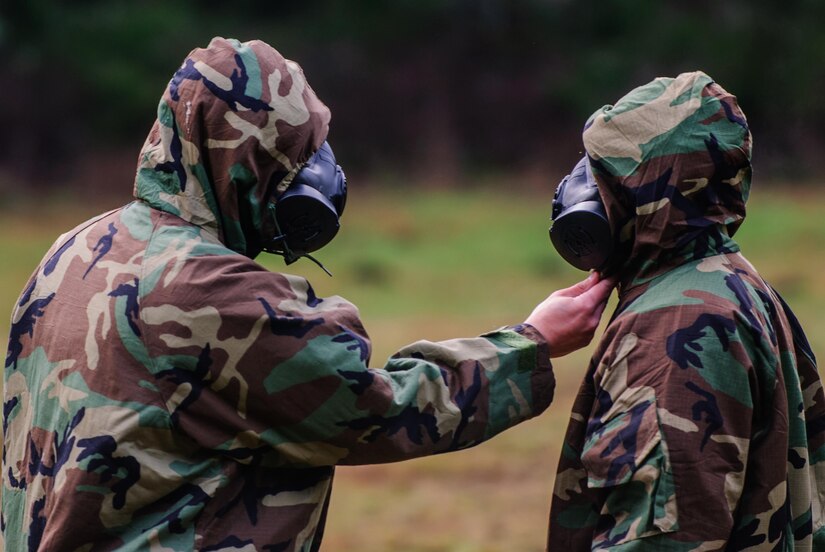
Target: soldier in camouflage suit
[(163, 391), (700, 424)]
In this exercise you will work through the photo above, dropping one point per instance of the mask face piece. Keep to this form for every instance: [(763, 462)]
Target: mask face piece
[(307, 213), (580, 231)]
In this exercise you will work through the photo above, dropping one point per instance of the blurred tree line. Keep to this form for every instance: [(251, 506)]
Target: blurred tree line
[(427, 89)]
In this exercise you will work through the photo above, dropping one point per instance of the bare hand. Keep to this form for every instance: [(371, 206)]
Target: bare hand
[(568, 317)]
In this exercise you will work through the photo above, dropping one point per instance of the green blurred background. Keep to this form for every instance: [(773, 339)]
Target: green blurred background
[(454, 120)]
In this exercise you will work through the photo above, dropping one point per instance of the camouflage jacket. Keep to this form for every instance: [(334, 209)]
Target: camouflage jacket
[(164, 391), (700, 424)]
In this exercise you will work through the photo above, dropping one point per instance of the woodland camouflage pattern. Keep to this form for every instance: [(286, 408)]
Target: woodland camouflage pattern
[(700, 424), (163, 391)]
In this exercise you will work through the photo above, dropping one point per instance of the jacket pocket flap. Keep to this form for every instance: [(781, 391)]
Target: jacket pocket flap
[(614, 449)]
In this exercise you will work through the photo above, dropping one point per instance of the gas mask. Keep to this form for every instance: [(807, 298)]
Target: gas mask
[(580, 231), (307, 214)]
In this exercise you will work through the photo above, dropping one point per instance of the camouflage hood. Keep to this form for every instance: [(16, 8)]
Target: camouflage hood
[(672, 159), (235, 124)]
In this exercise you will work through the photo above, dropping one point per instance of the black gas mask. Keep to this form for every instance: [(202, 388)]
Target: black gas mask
[(307, 214), (580, 231)]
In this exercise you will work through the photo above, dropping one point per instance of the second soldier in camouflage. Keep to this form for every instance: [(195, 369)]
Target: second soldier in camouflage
[(700, 425)]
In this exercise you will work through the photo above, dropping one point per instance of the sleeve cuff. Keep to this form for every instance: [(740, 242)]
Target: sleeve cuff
[(542, 379)]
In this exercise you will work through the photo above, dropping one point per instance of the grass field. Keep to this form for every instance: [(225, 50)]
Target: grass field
[(441, 264)]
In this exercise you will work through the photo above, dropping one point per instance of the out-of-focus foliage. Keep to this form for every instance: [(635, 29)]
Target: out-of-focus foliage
[(434, 88)]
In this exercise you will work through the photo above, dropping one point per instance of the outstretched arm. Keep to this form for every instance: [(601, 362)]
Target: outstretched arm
[(268, 369)]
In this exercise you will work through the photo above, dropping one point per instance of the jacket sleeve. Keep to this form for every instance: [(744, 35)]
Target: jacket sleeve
[(253, 365), (668, 439)]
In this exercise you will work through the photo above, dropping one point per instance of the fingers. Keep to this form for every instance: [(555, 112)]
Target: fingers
[(599, 292), (569, 317), (595, 299), (581, 287), (595, 295), (597, 314)]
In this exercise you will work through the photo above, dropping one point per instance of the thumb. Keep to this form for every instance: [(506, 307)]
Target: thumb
[(599, 292), (581, 287)]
